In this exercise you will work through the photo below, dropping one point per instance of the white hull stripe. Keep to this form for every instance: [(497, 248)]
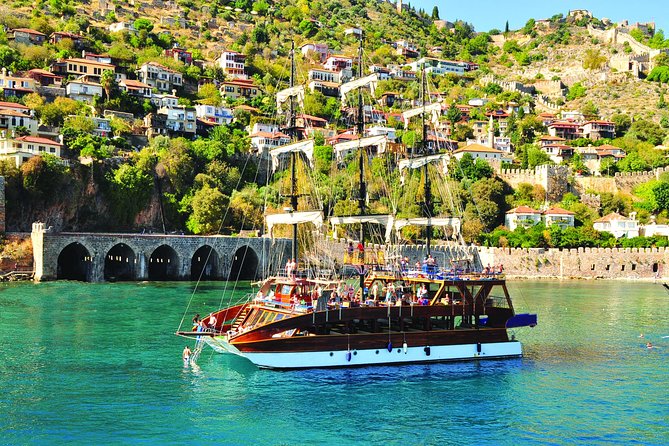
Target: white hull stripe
[(353, 358)]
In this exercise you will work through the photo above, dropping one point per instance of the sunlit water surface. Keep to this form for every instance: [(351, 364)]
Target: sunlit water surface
[(99, 364)]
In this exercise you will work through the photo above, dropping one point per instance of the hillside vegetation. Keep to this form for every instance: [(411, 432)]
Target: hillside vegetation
[(215, 181)]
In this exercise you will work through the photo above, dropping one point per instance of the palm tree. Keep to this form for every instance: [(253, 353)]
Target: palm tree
[(108, 82)]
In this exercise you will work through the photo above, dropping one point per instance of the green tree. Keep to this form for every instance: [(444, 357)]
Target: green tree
[(576, 91), (648, 131), (208, 208), (622, 122), (453, 115), (129, 191), (108, 82), (435, 13), (143, 24), (661, 195), (209, 94)]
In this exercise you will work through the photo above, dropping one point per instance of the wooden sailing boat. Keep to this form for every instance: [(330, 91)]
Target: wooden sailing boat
[(416, 314)]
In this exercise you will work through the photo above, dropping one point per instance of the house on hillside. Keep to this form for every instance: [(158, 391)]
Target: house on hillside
[(233, 64), (558, 216), (159, 76), (12, 119), (17, 86), (23, 148), (265, 137), (83, 90), (180, 55), (44, 78), (214, 114), (523, 216), (122, 26), (568, 130), (240, 88), (77, 40), (135, 88), (26, 36), (618, 225), (319, 48), (485, 153), (81, 67), (595, 130)]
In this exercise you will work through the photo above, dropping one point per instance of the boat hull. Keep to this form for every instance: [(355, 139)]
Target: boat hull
[(397, 354)]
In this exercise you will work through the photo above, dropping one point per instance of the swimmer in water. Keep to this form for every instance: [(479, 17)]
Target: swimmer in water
[(186, 355), (649, 345), (641, 335)]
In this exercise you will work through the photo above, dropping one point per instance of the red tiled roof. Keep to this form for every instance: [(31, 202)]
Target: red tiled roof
[(558, 211), (134, 84), (38, 140), (478, 148), (89, 62), (42, 72), (613, 216), (269, 135), (29, 31), (551, 138), (523, 210), (13, 105), (312, 118), (10, 112)]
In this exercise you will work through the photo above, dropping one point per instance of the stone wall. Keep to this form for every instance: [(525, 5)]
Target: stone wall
[(554, 179), (48, 247), (621, 182), (3, 227), (584, 263)]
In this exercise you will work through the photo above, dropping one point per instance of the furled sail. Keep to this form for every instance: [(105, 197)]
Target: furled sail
[(306, 146), (291, 218), (415, 163), (296, 92), (454, 222), (434, 109), (380, 140), (382, 219), (370, 81)]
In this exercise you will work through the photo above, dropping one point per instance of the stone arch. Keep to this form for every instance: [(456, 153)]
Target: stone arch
[(120, 263), (204, 264), (74, 263), (164, 264), (244, 264)]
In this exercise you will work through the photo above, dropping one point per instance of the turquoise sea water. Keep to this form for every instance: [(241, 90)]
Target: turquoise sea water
[(99, 364)]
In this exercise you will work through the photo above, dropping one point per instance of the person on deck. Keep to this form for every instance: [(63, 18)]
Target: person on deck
[(196, 320), (212, 321)]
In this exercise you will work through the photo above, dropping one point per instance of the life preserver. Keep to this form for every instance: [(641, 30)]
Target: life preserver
[(390, 346), (427, 350), (348, 356)]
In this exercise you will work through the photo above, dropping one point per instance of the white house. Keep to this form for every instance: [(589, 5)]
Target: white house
[(438, 66), (159, 76), (618, 225), (483, 152), (558, 216), (380, 130), (233, 64), (522, 216), (165, 100), (135, 88), (11, 119), (122, 26), (81, 90), (102, 126), (264, 141), (212, 113), (337, 63), (23, 148), (179, 119), (320, 48)]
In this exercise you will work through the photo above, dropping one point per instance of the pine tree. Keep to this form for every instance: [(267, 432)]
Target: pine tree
[(506, 28), (435, 13)]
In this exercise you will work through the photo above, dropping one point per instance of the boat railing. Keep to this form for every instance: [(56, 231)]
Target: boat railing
[(367, 257)]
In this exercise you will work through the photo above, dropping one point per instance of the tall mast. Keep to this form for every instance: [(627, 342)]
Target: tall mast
[(361, 129), (427, 210), (363, 186), (293, 155)]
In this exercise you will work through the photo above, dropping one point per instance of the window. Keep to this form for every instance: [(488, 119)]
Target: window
[(52, 150)]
